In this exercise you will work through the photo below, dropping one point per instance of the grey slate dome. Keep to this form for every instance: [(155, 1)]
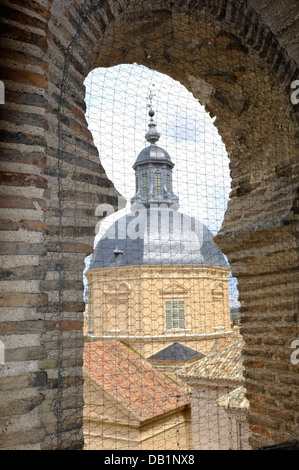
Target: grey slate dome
[(153, 154), (157, 236), (155, 232)]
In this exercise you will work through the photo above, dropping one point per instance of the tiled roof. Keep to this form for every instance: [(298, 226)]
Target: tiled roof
[(234, 399), (131, 380), (223, 363), (176, 352)]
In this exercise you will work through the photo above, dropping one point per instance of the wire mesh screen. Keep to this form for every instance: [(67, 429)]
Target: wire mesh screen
[(161, 304), (116, 182)]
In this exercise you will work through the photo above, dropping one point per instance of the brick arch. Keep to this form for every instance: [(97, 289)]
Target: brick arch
[(233, 54), (233, 65)]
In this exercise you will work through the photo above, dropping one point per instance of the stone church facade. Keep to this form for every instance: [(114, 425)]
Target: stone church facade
[(131, 304)]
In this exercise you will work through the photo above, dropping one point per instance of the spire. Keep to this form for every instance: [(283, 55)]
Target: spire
[(153, 170), (152, 135)]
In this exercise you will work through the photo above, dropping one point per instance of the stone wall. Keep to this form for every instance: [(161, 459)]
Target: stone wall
[(52, 182), (128, 303), (239, 59)]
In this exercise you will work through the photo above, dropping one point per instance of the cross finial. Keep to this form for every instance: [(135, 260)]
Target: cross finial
[(151, 96), (152, 135)]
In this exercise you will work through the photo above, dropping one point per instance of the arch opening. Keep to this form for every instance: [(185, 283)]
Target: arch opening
[(199, 310), (241, 83)]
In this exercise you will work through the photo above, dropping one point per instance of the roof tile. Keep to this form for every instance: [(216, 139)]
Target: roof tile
[(131, 380), (223, 363)]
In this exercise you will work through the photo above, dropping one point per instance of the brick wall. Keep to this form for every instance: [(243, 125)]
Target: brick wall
[(239, 61)]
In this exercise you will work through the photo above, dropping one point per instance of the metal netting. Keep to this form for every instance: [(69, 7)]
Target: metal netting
[(148, 324), (141, 138)]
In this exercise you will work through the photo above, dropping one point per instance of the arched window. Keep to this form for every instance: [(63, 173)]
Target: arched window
[(158, 184), (168, 182), (144, 185)]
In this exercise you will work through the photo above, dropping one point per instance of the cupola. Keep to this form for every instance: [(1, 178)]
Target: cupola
[(153, 172)]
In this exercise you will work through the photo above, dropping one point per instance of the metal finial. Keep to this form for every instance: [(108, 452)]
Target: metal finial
[(152, 135), (151, 96)]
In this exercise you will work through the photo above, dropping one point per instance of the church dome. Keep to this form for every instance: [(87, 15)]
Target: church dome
[(155, 232), (153, 154), (157, 236)]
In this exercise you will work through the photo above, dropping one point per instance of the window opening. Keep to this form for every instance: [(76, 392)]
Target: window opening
[(168, 183), (158, 185), (147, 262), (175, 314), (144, 185)]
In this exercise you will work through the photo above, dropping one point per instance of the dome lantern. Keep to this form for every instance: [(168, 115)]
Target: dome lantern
[(153, 170)]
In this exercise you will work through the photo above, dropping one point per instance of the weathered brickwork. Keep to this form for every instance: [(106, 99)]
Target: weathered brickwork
[(239, 59)]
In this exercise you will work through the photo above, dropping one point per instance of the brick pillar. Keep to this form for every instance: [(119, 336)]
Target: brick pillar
[(48, 198), (264, 258), (24, 202)]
